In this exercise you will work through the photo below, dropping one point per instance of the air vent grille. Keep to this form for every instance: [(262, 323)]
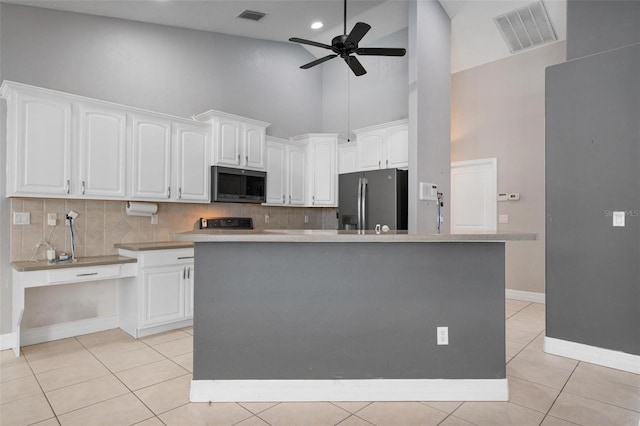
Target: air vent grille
[(252, 15), (526, 27)]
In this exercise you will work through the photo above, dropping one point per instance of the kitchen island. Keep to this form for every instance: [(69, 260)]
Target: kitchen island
[(347, 316)]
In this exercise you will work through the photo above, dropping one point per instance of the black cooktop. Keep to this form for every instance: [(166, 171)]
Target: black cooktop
[(226, 223)]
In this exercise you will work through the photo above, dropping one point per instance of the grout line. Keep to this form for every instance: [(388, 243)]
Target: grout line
[(560, 393)]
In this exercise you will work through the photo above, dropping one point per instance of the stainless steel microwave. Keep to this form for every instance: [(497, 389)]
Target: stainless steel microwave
[(229, 185)]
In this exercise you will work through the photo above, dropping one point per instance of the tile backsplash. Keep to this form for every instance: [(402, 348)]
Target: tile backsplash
[(101, 224)]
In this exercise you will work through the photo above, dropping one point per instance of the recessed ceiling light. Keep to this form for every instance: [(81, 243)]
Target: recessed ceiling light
[(317, 25)]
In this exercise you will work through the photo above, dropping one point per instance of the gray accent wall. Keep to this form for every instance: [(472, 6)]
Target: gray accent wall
[(166, 69), (595, 26), (429, 112), (593, 169), (348, 311)]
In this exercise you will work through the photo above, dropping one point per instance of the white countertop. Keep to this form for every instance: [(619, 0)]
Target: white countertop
[(333, 236)]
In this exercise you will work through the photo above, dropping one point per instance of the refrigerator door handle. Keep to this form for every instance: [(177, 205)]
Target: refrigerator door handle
[(364, 203), (359, 226)]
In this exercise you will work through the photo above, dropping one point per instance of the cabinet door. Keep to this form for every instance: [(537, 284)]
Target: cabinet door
[(370, 150), (254, 141), (323, 172), (276, 177), (40, 139), (151, 158), (296, 168), (164, 294), (397, 144), (192, 163), (188, 291), (103, 135), (347, 159), (228, 143)]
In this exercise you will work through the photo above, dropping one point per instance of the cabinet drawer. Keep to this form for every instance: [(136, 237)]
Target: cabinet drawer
[(167, 257), (83, 274)]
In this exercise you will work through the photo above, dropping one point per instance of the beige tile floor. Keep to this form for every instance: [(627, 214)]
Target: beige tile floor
[(108, 378)]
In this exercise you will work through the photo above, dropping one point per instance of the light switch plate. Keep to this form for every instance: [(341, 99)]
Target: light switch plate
[(52, 219), (503, 218), (618, 218)]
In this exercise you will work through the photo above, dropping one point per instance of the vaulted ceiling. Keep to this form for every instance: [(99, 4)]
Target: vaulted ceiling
[(474, 35)]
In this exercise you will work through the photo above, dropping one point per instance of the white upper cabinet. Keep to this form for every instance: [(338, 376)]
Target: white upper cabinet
[(384, 146), (67, 146), (347, 158), (39, 143), (297, 178), (321, 168), (237, 141), (103, 138), (370, 149), (151, 158), (397, 144), (192, 142), (286, 166), (276, 172)]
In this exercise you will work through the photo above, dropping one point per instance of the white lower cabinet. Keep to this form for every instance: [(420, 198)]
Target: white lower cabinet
[(160, 298)]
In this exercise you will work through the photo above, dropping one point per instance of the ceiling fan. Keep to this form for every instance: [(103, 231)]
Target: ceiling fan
[(346, 45)]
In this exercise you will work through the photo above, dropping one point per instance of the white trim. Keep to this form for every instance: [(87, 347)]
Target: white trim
[(525, 296), (600, 356), (350, 390), (67, 329), (8, 341), (144, 332)]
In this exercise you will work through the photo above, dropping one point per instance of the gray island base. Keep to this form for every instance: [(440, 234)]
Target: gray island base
[(292, 317)]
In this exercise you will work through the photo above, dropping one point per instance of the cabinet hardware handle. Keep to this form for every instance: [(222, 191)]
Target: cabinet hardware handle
[(313, 199), (82, 187), (387, 164), (184, 273), (283, 199), (168, 192), (289, 198), (87, 274), (179, 193), (379, 164), (246, 159), (185, 257), (68, 185), (238, 158), (189, 272)]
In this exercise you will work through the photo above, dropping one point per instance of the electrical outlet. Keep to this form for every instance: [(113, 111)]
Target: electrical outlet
[(21, 218), (266, 218), (154, 219), (443, 335), (52, 219), (306, 218)]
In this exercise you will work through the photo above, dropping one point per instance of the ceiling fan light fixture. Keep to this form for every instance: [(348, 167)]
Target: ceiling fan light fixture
[(317, 25)]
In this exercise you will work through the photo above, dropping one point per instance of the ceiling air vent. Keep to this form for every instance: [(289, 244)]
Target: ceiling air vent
[(252, 15), (526, 27)]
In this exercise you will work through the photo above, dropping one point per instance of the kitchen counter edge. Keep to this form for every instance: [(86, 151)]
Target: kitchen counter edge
[(41, 265), (324, 236)]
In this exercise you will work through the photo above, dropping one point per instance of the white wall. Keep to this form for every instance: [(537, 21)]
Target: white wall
[(498, 111)]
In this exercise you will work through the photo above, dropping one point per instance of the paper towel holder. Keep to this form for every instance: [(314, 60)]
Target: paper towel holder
[(134, 208)]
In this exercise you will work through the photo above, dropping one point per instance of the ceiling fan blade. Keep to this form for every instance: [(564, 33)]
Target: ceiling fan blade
[(359, 30), (355, 65), (309, 42), (381, 51), (317, 62)]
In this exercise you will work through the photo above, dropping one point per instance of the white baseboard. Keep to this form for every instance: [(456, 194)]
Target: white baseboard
[(349, 390), (7, 341), (600, 356), (525, 296), (67, 329)]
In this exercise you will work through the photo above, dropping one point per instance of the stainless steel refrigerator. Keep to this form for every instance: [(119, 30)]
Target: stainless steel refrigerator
[(374, 197)]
